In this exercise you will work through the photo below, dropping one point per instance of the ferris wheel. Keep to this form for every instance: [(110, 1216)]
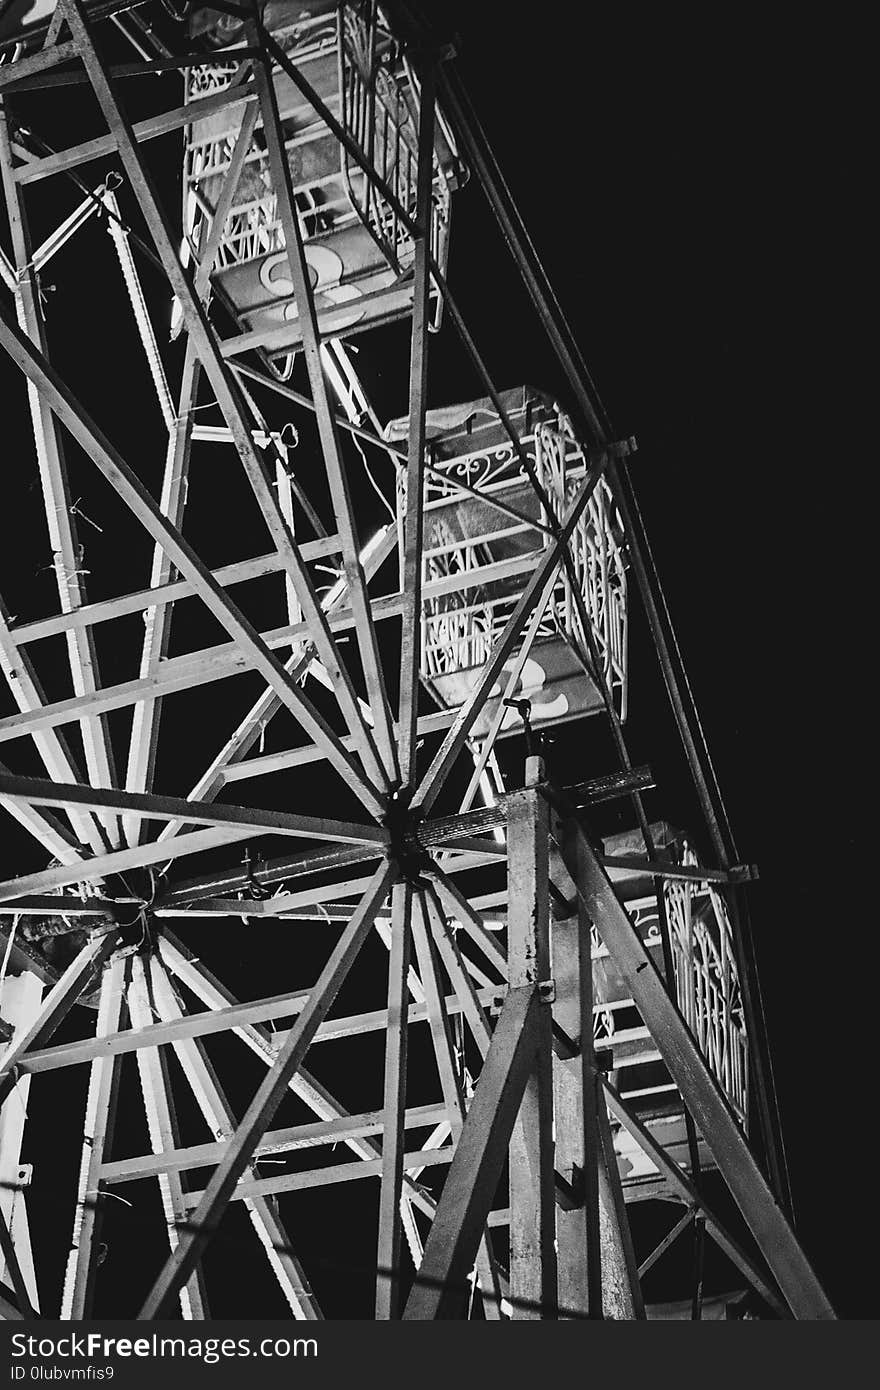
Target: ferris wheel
[(486, 1010)]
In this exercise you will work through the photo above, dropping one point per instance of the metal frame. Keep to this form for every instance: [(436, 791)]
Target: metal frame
[(510, 1019)]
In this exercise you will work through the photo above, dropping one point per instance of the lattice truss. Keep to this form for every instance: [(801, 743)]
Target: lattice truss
[(520, 1073)]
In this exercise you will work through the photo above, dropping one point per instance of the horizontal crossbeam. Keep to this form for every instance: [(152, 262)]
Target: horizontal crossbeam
[(232, 659), (274, 1141), (142, 599), (38, 791), (324, 1177), (221, 1021)]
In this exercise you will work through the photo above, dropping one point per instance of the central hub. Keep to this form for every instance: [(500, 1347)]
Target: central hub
[(402, 824)]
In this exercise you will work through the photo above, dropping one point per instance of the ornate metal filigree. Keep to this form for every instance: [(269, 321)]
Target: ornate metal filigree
[(379, 106), (596, 555), (707, 980)]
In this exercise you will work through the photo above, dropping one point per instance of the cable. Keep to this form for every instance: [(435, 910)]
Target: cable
[(376, 488)]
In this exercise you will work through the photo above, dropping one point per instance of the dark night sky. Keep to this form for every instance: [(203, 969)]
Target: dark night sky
[(675, 173), (667, 175)]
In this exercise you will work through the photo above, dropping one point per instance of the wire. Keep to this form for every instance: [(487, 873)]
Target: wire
[(376, 488)]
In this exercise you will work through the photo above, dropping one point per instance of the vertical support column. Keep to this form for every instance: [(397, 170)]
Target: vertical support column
[(20, 997), (532, 1188), (598, 1276), (423, 929), (577, 1148)]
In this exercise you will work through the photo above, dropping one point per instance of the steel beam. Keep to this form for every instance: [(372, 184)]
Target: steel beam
[(221, 1020), (10, 1259), (46, 829), (327, 1176), (53, 750), (99, 1121), (619, 1259), (162, 1127), (668, 1240), (150, 129), (225, 388), (315, 1134), (151, 806), (318, 1099), (267, 706), (219, 1118), (144, 738), (66, 551), (580, 1262), (467, 999), (676, 1181), (228, 659), (457, 906), (462, 1212), (55, 1007), (413, 526), (138, 499), (377, 696), (388, 1248), (268, 1097), (701, 1093), (142, 600), (532, 1183)]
